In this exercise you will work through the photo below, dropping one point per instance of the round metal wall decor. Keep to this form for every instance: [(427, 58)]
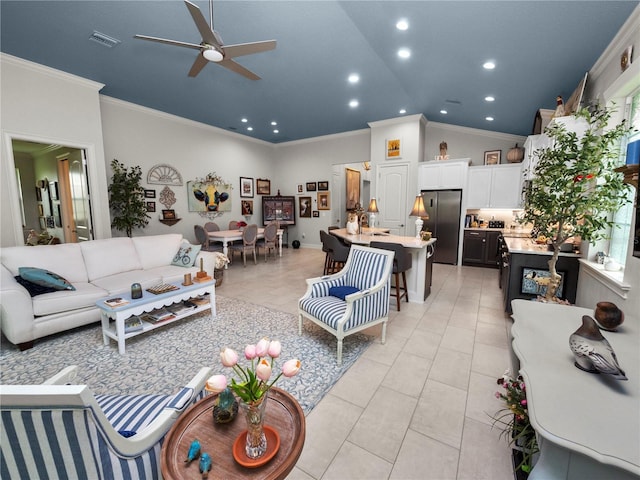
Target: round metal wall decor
[(164, 175)]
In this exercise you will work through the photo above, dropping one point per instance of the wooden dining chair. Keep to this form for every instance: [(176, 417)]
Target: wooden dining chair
[(249, 238), (233, 225), (203, 240), (211, 227), (270, 240)]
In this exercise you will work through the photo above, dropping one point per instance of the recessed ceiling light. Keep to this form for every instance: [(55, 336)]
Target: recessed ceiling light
[(354, 103), (250, 129), (353, 78), (489, 98), (489, 119), (402, 111), (404, 53), (443, 111), (274, 123), (402, 25), (244, 120), (276, 131), (489, 65)]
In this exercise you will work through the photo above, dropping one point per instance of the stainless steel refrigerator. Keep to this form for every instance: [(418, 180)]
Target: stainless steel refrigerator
[(444, 209)]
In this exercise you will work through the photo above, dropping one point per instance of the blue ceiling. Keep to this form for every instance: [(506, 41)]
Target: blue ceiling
[(541, 49)]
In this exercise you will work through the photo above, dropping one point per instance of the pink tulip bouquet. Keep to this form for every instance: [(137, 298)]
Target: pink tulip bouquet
[(254, 379)]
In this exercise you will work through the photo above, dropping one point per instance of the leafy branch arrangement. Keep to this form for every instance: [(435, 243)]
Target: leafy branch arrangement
[(575, 188)]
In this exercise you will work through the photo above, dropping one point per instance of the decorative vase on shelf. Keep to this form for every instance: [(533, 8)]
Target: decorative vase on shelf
[(256, 443)]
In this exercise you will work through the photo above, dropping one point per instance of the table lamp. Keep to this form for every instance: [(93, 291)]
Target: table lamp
[(419, 211), (373, 209)]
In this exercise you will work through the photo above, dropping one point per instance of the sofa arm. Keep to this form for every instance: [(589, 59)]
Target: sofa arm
[(16, 309)]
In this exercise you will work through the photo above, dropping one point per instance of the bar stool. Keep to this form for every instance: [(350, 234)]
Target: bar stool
[(401, 263)]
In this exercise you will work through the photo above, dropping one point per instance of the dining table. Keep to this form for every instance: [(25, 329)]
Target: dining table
[(228, 236)]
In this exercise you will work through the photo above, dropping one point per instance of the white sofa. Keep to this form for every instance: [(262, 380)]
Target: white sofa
[(97, 269)]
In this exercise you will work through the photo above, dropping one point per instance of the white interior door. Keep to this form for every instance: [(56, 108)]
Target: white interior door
[(392, 197)]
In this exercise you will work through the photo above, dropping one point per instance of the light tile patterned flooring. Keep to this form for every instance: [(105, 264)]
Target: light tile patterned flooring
[(417, 407)]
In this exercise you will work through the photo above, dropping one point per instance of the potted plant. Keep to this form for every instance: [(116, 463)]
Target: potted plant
[(575, 188), (126, 198)]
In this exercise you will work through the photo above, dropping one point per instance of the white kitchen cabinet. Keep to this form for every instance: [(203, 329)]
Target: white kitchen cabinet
[(443, 174), (495, 186)]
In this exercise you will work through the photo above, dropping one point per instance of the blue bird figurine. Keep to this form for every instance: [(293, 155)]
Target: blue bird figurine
[(194, 451), (205, 464), (592, 351)]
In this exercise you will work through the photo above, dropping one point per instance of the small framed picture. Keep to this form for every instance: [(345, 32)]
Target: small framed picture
[(316, 214), (300, 188), (149, 194), (151, 206), (324, 201), (53, 190), (311, 186), (304, 207), (247, 207), (393, 149), (323, 186), (38, 194), (246, 187), (492, 157), (168, 214), (535, 281), (263, 186)]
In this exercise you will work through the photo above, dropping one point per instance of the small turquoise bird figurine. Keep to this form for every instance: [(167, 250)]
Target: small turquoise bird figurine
[(225, 407), (205, 465), (194, 451), (592, 351)]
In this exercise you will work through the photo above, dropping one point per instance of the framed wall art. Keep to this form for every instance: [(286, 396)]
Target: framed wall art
[(281, 209), (246, 187), (300, 188), (324, 201), (535, 281), (304, 207), (322, 186), (247, 207), (393, 149), (352, 178), (149, 194), (151, 207), (492, 157), (311, 186), (169, 214), (316, 214), (263, 186), (206, 196), (53, 190)]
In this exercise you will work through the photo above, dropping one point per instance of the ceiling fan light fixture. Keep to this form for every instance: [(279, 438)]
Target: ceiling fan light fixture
[(212, 55)]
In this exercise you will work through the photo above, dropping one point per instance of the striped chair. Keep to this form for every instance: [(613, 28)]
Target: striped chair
[(61, 430), (367, 274)]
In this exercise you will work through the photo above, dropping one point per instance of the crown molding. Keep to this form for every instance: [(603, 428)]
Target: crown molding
[(398, 120), (627, 35), (479, 132)]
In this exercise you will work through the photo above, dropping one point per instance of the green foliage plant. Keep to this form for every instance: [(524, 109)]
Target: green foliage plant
[(574, 187), (126, 198)]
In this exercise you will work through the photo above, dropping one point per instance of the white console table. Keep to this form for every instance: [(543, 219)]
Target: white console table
[(588, 425)]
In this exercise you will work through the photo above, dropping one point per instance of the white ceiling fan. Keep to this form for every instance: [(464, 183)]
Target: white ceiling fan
[(212, 49)]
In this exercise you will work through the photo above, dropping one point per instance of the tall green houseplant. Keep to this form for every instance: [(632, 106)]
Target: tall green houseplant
[(126, 198), (575, 188)]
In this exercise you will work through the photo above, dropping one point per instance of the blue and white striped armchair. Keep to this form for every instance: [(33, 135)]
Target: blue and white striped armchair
[(61, 430), (353, 299)]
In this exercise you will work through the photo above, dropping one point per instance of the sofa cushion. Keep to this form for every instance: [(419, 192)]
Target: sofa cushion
[(186, 255), (44, 278), (84, 296), (172, 273), (157, 250), (65, 259), (121, 282), (110, 256)]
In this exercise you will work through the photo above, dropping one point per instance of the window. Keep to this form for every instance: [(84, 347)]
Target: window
[(621, 230)]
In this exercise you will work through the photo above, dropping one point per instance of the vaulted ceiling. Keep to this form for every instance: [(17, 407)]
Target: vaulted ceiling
[(540, 49)]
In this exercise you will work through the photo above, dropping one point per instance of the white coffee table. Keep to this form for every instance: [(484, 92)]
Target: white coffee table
[(147, 303)]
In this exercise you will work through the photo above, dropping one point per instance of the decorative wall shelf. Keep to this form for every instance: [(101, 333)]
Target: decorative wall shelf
[(630, 173), (170, 221)]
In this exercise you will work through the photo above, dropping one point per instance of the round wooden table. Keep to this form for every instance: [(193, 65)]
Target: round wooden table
[(283, 414)]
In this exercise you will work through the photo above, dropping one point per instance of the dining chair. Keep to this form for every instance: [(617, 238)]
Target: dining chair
[(233, 225), (203, 239), (353, 299), (211, 227), (326, 248), (249, 237), (270, 240), (339, 254), (401, 263)]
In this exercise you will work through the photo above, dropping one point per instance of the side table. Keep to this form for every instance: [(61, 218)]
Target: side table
[(283, 414)]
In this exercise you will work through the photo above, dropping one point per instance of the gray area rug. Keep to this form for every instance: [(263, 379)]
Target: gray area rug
[(163, 360)]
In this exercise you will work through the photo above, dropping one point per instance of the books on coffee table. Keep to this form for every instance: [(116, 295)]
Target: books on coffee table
[(158, 315), (115, 302), (132, 324), (181, 308)]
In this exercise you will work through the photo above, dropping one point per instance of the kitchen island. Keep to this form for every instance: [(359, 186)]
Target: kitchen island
[(525, 263), (420, 273)]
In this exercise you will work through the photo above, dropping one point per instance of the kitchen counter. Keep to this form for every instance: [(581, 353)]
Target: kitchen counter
[(529, 246), (506, 232)]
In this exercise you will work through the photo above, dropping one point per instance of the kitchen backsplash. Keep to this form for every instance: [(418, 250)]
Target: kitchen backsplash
[(500, 215)]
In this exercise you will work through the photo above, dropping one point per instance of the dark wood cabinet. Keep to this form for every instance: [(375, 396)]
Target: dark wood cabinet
[(480, 248)]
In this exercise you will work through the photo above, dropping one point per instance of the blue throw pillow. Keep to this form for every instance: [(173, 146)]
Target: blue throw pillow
[(186, 256), (33, 288), (44, 278), (126, 433), (342, 291)]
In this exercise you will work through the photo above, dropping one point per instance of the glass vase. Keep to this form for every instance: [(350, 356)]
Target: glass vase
[(256, 444)]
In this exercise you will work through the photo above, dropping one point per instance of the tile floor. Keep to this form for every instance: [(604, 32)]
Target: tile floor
[(417, 407)]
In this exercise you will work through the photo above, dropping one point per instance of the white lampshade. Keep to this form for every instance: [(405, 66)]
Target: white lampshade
[(419, 211), (212, 55), (373, 209)]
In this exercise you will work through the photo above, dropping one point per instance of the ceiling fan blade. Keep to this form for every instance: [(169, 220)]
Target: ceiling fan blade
[(169, 42), (231, 51), (198, 65), (203, 27), (236, 67)]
